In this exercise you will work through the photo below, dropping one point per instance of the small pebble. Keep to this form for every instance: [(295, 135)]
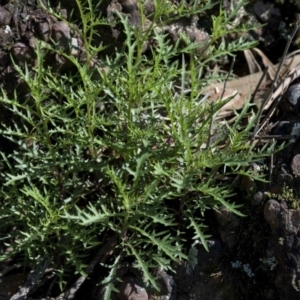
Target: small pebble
[(295, 165), (257, 198)]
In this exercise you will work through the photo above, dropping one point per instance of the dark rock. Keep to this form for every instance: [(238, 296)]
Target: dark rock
[(284, 246), (267, 13), (291, 98), (61, 34), (44, 30), (22, 53), (131, 290), (128, 8), (168, 287), (271, 213), (10, 7), (5, 16)]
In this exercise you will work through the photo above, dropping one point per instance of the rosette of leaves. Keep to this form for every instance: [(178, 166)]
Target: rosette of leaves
[(127, 155)]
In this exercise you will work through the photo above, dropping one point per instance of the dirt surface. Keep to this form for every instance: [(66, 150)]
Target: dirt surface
[(256, 257)]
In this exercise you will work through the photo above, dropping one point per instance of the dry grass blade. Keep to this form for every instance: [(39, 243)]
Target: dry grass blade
[(267, 63), (277, 78), (293, 74), (270, 95), (252, 63), (247, 84)]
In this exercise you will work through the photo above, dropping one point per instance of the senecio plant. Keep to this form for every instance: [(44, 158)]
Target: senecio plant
[(119, 157)]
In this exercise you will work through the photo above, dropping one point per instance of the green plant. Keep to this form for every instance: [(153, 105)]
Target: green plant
[(289, 194), (124, 156)]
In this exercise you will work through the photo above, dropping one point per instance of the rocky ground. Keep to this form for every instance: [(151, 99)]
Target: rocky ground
[(255, 257)]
